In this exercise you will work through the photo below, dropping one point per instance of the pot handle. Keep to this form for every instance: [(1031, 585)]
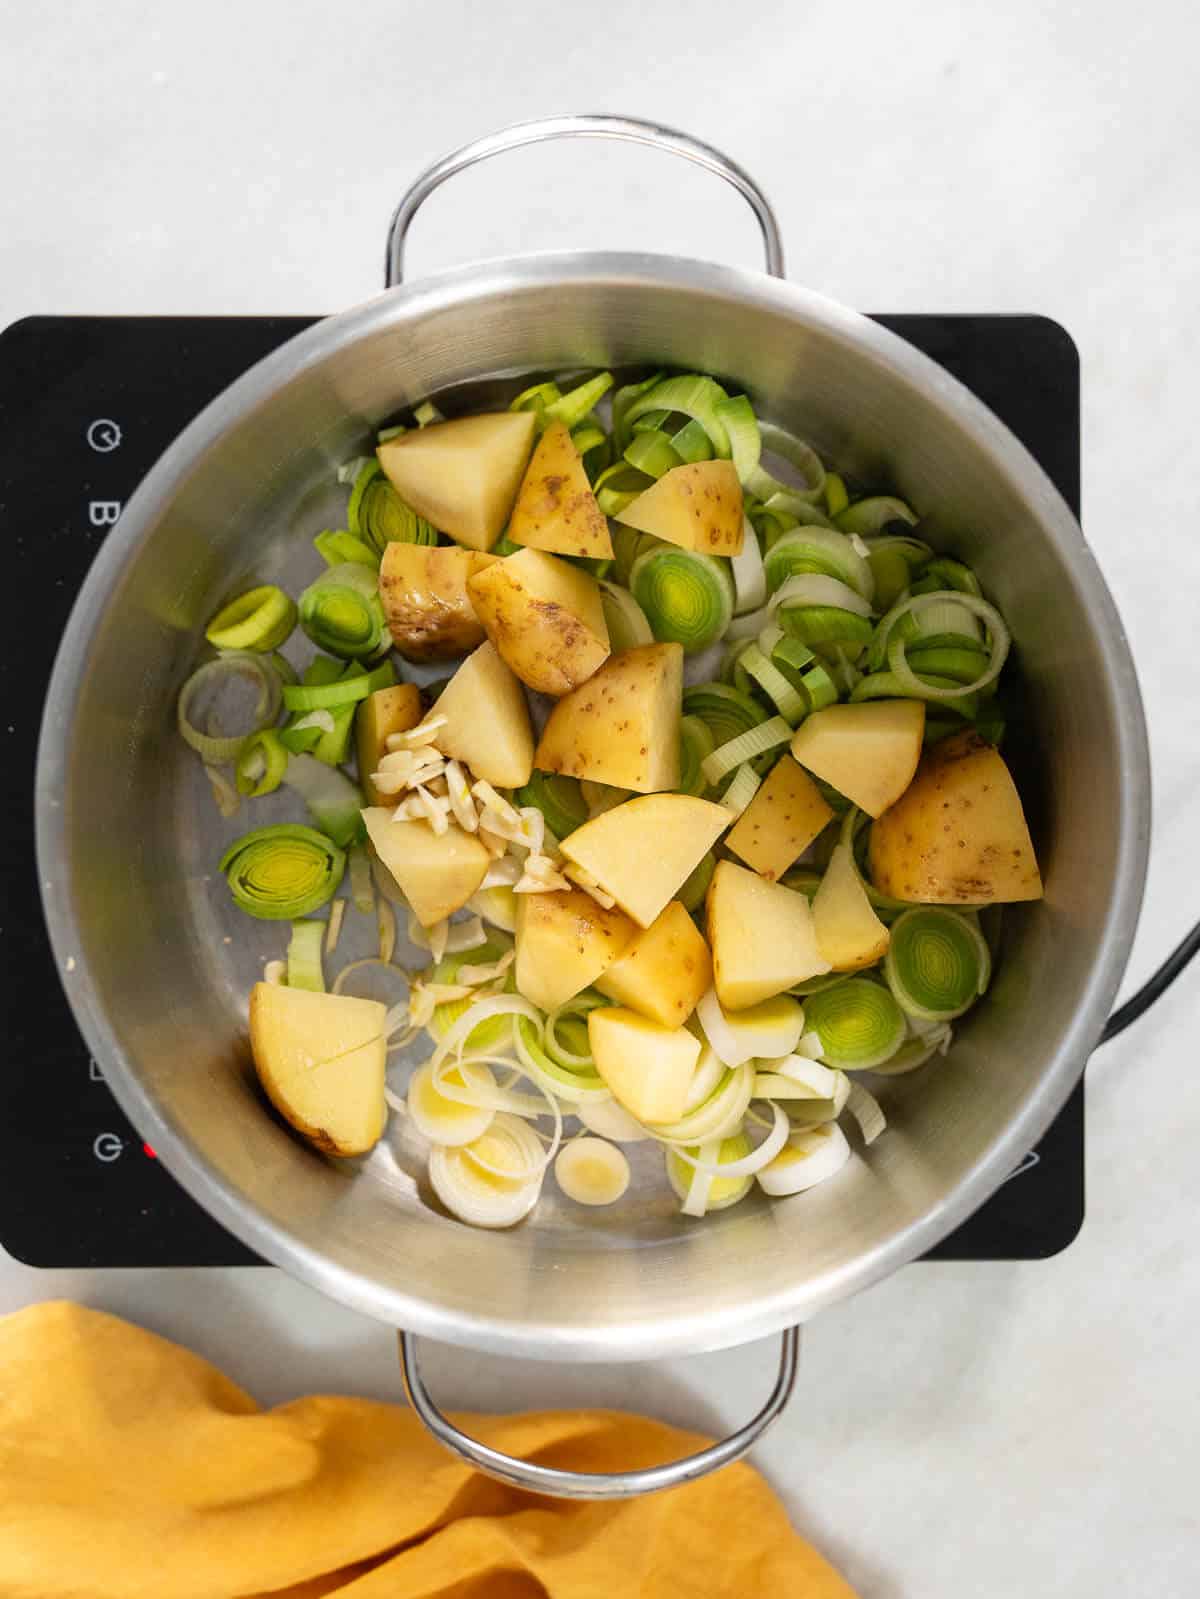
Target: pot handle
[(631, 129), (560, 1484)]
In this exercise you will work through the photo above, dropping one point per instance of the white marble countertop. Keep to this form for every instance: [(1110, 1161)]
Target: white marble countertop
[(962, 1430)]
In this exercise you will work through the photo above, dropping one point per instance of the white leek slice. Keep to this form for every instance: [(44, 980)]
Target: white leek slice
[(749, 578), (867, 1112), (769, 1030), (610, 1120), (816, 1112), (813, 588), (747, 746), (460, 936), (497, 905), (820, 1082), (916, 1052), (486, 1183), (806, 1159), (698, 1191), (719, 1116), (710, 1069), (742, 790), (591, 1172), (442, 1120), (749, 1164)]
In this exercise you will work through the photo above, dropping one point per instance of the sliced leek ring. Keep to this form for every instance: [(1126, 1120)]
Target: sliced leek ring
[(591, 1171)]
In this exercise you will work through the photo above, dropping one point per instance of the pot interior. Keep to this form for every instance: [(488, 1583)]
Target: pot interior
[(130, 837)]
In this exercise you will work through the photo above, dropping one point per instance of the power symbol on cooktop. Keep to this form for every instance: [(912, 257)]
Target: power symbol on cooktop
[(104, 435), (108, 1147)]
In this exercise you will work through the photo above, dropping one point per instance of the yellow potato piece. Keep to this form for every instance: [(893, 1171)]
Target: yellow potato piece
[(487, 720), (649, 1068), (868, 752), (664, 971), (462, 476), (640, 852), (761, 936), (436, 872), (849, 934), (697, 506), (556, 509), (622, 727), (424, 593), (387, 711), (781, 821), (320, 1059), (545, 617), (958, 835), (565, 940)]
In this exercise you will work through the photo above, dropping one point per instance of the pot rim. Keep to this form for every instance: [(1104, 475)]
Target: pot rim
[(392, 309)]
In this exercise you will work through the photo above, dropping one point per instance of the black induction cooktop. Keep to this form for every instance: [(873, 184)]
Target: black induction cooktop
[(86, 406)]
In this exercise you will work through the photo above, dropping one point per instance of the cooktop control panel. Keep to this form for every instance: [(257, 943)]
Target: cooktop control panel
[(87, 404)]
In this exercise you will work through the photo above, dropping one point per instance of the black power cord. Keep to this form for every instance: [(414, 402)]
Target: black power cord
[(1136, 1007)]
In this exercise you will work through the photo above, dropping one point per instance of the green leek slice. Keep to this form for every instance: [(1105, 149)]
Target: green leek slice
[(789, 701), (622, 400), (820, 550), (571, 408), (893, 559), (536, 398), (742, 789), (215, 748), (686, 597), (304, 957), (581, 1086), (261, 619), (695, 743), (746, 746), (426, 414), (887, 686), (377, 515), (938, 963), (327, 696), (334, 802), (337, 546), (859, 1023), (692, 443), (726, 711), (745, 441), (342, 613), (836, 497), (261, 763), (891, 637), (944, 573), (566, 1035), (826, 625), (694, 396), (282, 872), (799, 665), (652, 453), (943, 661), (618, 485), (624, 617), (558, 798), (874, 514)]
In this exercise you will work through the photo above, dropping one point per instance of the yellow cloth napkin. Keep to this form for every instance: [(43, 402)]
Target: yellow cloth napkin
[(131, 1467)]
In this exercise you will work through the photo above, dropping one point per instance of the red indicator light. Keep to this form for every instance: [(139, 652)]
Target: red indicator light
[(146, 1150)]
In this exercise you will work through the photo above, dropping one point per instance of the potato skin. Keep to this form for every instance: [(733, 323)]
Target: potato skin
[(957, 835), (622, 726), (425, 599), (545, 618)]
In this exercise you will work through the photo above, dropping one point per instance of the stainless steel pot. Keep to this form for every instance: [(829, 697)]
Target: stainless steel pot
[(156, 963)]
